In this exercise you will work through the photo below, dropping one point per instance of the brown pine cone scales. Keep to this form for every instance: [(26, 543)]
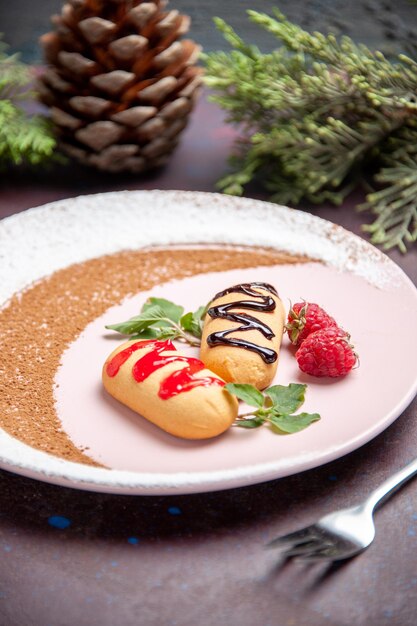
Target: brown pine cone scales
[(120, 83)]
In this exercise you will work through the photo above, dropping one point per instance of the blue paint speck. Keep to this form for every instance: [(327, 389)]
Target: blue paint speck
[(114, 564), (411, 532), (7, 548), (133, 541), (332, 477), (57, 521), (174, 510)]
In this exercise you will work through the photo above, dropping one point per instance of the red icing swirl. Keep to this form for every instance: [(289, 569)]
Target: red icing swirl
[(175, 383)]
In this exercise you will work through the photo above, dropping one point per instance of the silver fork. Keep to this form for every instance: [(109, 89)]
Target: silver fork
[(344, 533)]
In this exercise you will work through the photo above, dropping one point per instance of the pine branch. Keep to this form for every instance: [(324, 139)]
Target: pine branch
[(396, 204), (313, 114), (23, 138)]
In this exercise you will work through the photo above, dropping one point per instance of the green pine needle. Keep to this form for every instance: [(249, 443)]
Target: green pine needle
[(23, 138), (316, 112)]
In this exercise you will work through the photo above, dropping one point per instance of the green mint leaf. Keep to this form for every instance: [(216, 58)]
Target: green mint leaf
[(147, 333), (286, 400), (167, 309), (167, 333), (247, 393), (162, 319), (153, 332), (254, 422), (201, 312), (193, 322), (292, 423), (138, 323), (151, 314), (190, 325)]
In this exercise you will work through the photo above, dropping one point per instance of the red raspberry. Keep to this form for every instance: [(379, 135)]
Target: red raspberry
[(305, 318), (326, 352)]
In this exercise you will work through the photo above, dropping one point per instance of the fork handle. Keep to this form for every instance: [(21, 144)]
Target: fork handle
[(389, 486)]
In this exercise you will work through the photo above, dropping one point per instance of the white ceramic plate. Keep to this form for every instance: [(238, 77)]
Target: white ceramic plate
[(359, 285)]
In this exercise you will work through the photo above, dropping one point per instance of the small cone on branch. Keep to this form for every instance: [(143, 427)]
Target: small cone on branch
[(120, 81)]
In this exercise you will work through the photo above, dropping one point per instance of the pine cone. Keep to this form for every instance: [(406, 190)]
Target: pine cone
[(119, 82)]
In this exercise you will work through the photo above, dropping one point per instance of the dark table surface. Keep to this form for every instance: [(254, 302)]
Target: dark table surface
[(72, 557)]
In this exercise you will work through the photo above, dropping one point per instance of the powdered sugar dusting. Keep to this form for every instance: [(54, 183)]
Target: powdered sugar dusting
[(74, 230)]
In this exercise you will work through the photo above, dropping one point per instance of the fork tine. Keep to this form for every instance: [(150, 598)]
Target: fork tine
[(297, 537), (303, 550), (323, 553)]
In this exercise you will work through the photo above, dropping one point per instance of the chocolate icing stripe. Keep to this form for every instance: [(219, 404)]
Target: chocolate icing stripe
[(248, 322)]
